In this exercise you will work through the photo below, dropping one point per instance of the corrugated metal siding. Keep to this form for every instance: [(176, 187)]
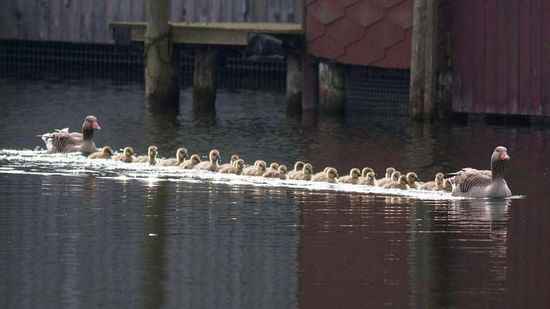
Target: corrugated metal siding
[(86, 21), (366, 32), (501, 55)]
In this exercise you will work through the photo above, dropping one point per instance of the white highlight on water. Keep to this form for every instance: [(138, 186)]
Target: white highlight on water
[(31, 162)]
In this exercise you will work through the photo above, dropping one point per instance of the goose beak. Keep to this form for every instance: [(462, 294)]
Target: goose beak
[(96, 125), (504, 156)]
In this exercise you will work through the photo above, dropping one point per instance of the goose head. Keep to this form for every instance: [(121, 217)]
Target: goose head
[(234, 157), (307, 169), (395, 176), (389, 172), (261, 166), (499, 161), (274, 165), (181, 154), (366, 170), (439, 180), (282, 169), (355, 173), (195, 159), (332, 173), (214, 155), (152, 152), (88, 126), (128, 152), (412, 178), (298, 166), (403, 180), (370, 178), (107, 151), (239, 164)]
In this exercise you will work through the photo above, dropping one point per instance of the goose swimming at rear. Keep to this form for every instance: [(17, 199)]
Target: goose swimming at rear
[(470, 182), (65, 141)]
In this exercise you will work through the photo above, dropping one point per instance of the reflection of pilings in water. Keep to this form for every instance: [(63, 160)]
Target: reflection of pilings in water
[(528, 254), (161, 129), (453, 243), (154, 246)]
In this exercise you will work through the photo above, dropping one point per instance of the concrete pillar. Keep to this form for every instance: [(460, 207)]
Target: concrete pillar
[(332, 94), (161, 81), (294, 82), (204, 80)]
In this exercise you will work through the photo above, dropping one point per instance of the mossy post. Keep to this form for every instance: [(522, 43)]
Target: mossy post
[(161, 81), (204, 80), (332, 92)]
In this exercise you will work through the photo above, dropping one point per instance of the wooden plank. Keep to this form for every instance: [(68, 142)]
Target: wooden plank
[(524, 58), (479, 56), (545, 56), (514, 61), (536, 65), (502, 63), (100, 21), (490, 56)]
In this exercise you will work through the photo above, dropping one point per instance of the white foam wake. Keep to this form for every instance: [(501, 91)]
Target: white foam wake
[(41, 163)]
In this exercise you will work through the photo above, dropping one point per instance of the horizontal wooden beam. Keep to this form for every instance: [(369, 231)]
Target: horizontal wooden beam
[(235, 34)]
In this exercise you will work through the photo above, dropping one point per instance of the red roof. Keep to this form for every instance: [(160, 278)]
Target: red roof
[(366, 32)]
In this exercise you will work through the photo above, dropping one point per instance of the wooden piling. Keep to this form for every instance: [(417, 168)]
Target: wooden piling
[(331, 88), (294, 82), (423, 99), (161, 82), (417, 79), (204, 80), (310, 92)]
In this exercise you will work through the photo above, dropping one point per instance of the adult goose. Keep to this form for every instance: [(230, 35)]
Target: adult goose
[(65, 141), (470, 182)]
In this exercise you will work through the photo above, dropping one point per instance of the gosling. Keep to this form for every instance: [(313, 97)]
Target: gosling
[(329, 174), (279, 173), (191, 162), (352, 178), (105, 153), (211, 164), (258, 169), (236, 168), (298, 166), (181, 155), (126, 156)]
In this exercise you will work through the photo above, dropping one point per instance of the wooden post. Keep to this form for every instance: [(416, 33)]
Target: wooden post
[(332, 94), (310, 93), (417, 79), (425, 62), (294, 82), (161, 82), (204, 80)]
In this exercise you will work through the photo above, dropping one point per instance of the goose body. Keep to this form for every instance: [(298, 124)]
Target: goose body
[(236, 168), (126, 156), (330, 174), (352, 178), (258, 169), (191, 162), (470, 182), (181, 155), (279, 173), (105, 153), (65, 141)]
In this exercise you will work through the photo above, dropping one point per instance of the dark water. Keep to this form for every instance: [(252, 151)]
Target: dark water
[(87, 241)]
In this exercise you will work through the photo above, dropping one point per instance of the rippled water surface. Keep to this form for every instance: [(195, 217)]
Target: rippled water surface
[(77, 233)]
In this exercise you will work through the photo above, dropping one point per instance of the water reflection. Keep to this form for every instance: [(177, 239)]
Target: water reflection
[(83, 240)]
